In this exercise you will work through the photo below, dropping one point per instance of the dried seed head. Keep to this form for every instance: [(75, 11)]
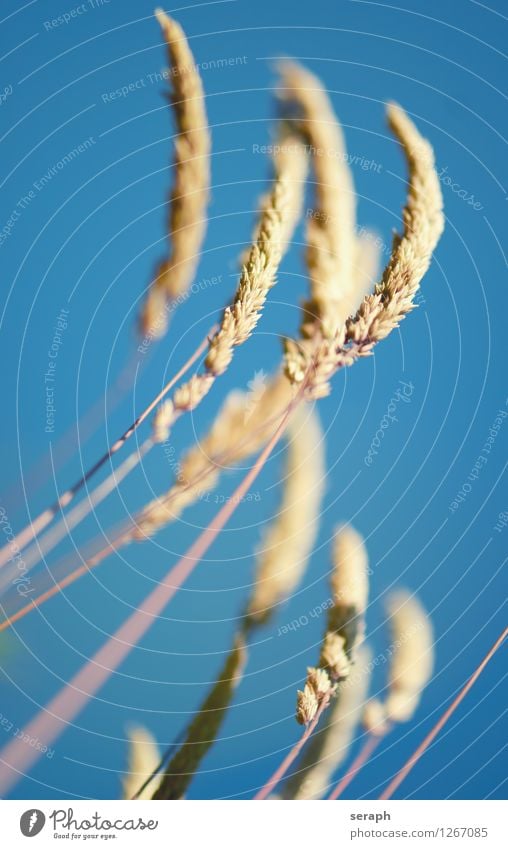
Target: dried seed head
[(189, 197), (413, 658), (289, 540), (330, 228), (333, 656), (349, 579), (393, 297), (319, 681), (325, 751), (306, 705)]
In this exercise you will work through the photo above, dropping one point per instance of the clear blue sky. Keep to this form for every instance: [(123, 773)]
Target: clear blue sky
[(85, 236)]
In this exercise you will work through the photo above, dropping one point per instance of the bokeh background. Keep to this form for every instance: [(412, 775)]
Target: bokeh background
[(87, 239)]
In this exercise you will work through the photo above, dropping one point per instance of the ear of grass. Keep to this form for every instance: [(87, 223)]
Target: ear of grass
[(191, 189), (293, 754), (329, 746), (393, 297), (413, 760), (330, 229), (203, 729)]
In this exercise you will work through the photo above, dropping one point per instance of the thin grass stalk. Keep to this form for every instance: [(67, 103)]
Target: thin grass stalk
[(30, 531), (129, 531), (54, 535), (329, 747), (367, 750), (293, 754), (430, 737), (52, 720)]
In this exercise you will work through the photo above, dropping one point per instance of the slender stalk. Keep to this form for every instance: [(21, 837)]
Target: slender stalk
[(120, 539), (415, 757), (18, 756), (292, 755), (42, 521), (370, 745), (55, 534)]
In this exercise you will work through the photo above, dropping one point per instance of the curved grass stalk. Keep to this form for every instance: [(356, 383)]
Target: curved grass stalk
[(367, 750), (415, 757), (42, 521), (294, 752)]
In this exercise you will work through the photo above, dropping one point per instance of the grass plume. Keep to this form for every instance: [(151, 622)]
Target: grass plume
[(191, 188)]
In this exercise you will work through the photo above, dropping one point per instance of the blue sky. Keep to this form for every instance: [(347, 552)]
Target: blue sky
[(84, 234)]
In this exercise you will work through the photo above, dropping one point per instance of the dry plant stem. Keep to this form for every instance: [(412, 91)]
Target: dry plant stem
[(121, 539), (46, 544), (292, 755), (51, 721), (30, 531), (408, 766), (361, 759)]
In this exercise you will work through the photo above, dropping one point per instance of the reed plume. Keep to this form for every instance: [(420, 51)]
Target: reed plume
[(411, 666), (288, 543), (346, 620), (256, 279), (393, 297), (410, 670), (329, 746), (331, 236), (191, 188), (143, 757)]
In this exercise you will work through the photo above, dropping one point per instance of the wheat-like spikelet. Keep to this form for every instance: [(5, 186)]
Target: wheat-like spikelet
[(331, 237), (288, 543), (241, 427), (346, 617), (367, 268), (411, 664), (393, 297), (143, 759), (189, 197), (329, 747), (289, 157), (203, 729)]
